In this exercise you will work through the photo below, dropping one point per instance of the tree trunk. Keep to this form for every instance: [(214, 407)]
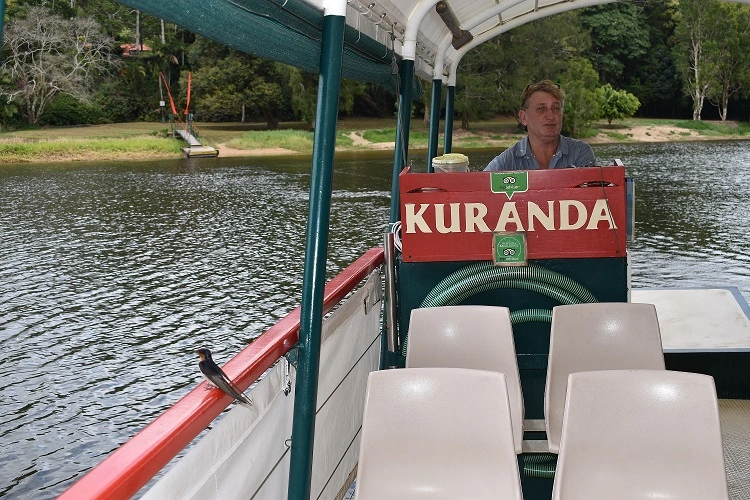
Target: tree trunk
[(163, 36), (724, 103), (243, 114), (697, 104), (697, 91), (272, 121), (465, 120), (137, 30)]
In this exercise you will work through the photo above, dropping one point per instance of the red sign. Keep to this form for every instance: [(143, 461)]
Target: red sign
[(565, 213)]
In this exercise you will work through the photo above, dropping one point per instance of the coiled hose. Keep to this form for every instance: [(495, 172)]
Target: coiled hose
[(483, 276), (540, 465)]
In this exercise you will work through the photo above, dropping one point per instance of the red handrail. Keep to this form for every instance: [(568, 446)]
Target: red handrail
[(133, 464)]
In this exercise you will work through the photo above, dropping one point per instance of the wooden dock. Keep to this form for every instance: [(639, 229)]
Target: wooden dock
[(195, 149)]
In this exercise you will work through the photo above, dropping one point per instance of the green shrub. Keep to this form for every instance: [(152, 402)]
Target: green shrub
[(616, 104), (66, 110)]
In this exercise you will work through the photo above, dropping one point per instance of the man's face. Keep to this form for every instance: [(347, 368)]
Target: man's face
[(542, 116)]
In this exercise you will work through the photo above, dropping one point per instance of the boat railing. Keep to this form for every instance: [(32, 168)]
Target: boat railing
[(131, 466)]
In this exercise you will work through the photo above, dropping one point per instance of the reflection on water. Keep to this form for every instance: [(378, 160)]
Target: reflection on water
[(110, 276)]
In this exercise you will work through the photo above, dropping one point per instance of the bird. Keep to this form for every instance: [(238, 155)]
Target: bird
[(216, 376)]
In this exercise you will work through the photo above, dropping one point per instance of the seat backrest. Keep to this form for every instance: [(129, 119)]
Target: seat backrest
[(598, 336), (478, 337), (437, 433), (641, 434)]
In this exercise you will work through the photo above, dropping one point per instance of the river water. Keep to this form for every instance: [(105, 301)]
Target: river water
[(111, 274)]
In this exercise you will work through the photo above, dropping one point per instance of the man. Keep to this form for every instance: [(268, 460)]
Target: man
[(542, 115)]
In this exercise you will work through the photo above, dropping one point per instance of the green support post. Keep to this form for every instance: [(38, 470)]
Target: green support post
[(313, 281), (432, 145), (400, 155), (449, 100)]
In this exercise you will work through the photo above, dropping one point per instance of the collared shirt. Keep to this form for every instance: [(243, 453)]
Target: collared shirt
[(570, 153)]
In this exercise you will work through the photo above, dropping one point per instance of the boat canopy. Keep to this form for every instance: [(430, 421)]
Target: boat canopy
[(435, 34)]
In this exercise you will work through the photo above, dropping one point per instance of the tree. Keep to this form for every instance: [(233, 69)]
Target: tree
[(616, 104), (619, 36), (49, 55), (303, 87), (580, 82), (226, 82), (697, 22), (728, 48), (492, 76)]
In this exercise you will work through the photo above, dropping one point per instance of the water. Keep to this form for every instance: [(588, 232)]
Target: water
[(111, 274)]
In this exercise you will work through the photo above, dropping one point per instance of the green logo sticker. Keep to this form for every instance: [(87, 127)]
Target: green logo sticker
[(509, 182), (509, 249)]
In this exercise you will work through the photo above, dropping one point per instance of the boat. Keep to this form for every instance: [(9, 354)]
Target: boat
[(526, 241)]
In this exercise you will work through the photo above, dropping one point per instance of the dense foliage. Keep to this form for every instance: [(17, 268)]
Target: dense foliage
[(658, 59)]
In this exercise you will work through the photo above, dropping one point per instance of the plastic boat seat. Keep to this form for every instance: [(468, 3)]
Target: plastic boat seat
[(478, 337), (640, 434), (437, 433), (597, 336)]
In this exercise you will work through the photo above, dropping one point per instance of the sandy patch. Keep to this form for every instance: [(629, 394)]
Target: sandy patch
[(360, 141), (648, 133)]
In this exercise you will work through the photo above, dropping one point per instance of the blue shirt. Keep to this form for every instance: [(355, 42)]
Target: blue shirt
[(570, 152)]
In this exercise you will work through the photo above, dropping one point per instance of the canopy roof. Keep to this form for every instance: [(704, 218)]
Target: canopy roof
[(378, 33)]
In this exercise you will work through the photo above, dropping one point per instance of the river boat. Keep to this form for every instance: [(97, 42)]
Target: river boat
[(529, 241)]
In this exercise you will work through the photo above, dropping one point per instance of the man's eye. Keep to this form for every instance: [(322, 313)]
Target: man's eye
[(544, 109)]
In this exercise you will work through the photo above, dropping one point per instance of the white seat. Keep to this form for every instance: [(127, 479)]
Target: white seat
[(598, 336), (632, 434), (437, 433), (478, 337)]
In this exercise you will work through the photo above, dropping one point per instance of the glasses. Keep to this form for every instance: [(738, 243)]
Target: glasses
[(533, 87)]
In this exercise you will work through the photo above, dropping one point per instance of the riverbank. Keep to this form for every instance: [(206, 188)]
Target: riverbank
[(145, 140)]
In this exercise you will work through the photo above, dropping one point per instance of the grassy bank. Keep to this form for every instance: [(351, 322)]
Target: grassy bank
[(150, 140)]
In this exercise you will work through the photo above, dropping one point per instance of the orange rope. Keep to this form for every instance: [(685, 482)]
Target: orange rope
[(171, 101), (187, 104)]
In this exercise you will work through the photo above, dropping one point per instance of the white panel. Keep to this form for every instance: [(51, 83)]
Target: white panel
[(225, 463), (698, 319), (246, 454)]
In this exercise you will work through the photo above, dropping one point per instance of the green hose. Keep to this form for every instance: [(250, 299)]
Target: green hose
[(483, 276), (540, 465), (530, 316), (487, 271), (460, 292)]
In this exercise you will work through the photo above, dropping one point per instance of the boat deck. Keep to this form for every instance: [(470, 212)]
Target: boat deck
[(705, 319), (735, 432)]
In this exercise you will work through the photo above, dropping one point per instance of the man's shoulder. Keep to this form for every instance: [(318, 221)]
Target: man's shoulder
[(508, 158)]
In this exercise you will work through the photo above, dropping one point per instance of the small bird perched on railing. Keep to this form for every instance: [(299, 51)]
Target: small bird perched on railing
[(216, 376)]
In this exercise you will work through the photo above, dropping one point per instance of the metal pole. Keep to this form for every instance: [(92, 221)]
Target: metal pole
[(432, 145), (400, 155), (449, 100), (313, 281), (390, 292)]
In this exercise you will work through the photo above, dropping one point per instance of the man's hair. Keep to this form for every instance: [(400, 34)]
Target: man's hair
[(543, 86)]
